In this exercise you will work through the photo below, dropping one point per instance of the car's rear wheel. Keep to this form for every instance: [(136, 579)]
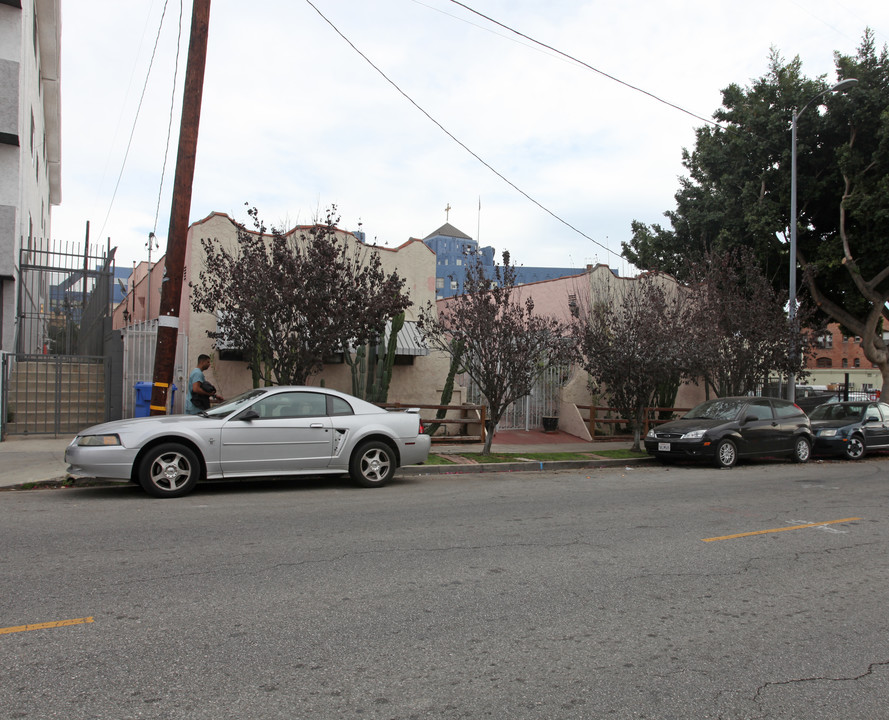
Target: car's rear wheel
[(169, 470), (855, 449), (726, 454), (802, 450), (373, 464)]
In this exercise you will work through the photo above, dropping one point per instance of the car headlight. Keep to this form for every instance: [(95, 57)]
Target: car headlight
[(694, 435), (98, 440), (828, 432), (651, 433)]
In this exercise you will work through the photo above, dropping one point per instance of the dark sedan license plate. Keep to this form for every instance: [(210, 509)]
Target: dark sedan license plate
[(663, 447)]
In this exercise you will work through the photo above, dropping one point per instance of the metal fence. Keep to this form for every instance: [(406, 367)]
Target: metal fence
[(527, 412), (52, 394), (139, 344), (55, 381), (64, 296)]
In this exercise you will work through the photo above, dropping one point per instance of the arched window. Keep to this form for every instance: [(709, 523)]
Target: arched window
[(823, 362)]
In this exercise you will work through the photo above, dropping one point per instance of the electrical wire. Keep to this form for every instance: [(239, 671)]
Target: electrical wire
[(135, 119), (456, 140), (588, 66), (160, 190)]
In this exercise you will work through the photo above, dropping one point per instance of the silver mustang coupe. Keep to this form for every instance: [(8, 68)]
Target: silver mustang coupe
[(265, 432)]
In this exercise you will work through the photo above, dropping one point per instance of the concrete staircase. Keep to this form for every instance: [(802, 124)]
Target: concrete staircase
[(56, 396)]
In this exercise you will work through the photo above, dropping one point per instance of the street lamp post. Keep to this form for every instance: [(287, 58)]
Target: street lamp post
[(839, 87)]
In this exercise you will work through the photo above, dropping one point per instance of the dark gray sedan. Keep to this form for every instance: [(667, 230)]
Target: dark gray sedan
[(850, 428), (726, 429), (265, 432)]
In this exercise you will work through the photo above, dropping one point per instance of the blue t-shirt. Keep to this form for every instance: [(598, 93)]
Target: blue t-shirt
[(194, 376)]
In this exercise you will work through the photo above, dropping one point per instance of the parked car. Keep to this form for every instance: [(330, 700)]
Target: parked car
[(726, 429), (808, 397), (265, 432), (850, 428)]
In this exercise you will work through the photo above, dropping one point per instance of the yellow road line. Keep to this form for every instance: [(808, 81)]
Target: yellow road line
[(777, 530), (44, 626)]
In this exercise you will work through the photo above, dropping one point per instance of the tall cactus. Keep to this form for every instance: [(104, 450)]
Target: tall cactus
[(372, 365)]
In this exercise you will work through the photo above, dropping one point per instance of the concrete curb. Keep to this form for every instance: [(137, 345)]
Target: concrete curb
[(523, 466), (406, 471)]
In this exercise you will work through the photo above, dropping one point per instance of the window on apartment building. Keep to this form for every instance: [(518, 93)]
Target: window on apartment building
[(845, 363), (825, 341), (458, 261), (439, 283), (856, 362), (823, 362), (453, 284)]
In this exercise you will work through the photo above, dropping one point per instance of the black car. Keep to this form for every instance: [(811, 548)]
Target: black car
[(726, 429), (850, 428), (809, 398)]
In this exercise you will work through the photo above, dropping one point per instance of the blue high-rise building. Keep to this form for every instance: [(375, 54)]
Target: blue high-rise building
[(454, 249)]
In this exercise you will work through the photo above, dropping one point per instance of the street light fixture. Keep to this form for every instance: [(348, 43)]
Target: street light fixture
[(839, 87)]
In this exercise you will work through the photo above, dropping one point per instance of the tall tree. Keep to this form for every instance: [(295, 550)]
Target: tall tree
[(737, 192), (738, 331), (631, 342), (291, 300), (505, 346)]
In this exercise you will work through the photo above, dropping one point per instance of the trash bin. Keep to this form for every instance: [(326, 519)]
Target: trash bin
[(143, 398)]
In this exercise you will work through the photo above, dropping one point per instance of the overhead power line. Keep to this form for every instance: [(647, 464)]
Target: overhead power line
[(455, 139), (587, 65), (135, 119), (160, 189)]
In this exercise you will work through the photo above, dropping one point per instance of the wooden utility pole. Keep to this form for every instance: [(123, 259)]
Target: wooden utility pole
[(171, 288)]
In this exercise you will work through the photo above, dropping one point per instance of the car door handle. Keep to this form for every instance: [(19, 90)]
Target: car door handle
[(316, 425)]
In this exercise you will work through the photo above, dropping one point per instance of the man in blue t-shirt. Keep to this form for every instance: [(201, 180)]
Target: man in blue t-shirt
[(197, 397)]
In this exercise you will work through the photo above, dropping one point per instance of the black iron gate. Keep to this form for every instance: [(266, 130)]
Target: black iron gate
[(55, 382)]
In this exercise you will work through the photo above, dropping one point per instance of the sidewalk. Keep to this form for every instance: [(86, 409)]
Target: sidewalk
[(32, 459), (39, 459)]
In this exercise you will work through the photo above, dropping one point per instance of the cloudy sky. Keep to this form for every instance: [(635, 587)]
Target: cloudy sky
[(295, 118)]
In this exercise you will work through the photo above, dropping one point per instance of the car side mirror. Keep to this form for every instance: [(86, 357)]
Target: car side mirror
[(750, 418), (870, 419), (248, 414)]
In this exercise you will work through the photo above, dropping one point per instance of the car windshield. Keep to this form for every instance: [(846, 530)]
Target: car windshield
[(233, 405), (850, 413), (715, 410)]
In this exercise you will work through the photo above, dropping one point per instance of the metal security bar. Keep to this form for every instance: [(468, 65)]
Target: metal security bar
[(52, 394), (139, 342), (64, 295)]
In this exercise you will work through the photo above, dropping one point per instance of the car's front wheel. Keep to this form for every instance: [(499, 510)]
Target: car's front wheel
[(169, 470), (802, 450), (854, 449), (373, 464), (726, 454)]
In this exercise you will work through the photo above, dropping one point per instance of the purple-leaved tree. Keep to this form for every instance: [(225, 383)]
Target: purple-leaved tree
[(631, 339), (505, 345), (288, 301)]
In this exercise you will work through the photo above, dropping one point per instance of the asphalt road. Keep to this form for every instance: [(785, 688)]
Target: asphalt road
[(598, 594)]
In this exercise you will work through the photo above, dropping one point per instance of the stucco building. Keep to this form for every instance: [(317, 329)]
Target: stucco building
[(418, 373), (30, 137)]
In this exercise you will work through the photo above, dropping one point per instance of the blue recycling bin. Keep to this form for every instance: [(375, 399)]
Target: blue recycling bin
[(143, 398)]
